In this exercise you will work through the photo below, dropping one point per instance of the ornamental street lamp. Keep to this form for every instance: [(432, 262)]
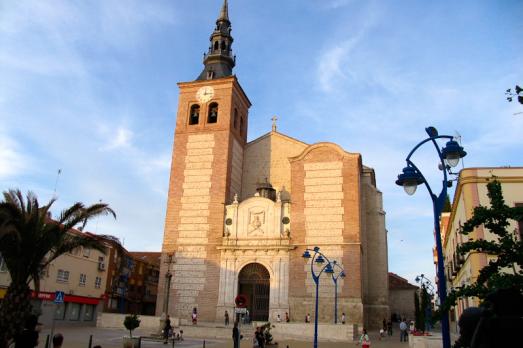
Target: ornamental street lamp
[(341, 274), (427, 290), (319, 258), (410, 178)]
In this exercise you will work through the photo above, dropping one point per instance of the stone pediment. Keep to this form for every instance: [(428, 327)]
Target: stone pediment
[(257, 221)]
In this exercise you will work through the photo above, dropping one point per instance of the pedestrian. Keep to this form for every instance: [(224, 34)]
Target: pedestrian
[(308, 318), (166, 329), (343, 318), (226, 318), (236, 335), (181, 335), (365, 339), (287, 319), (389, 327), (28, 338), (412, 327), (194, 316), (403, 331), (260, 337), (384, 324), (278, 318), (58, 340)]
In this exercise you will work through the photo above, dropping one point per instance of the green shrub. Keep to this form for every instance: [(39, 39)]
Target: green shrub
[(131, 322)]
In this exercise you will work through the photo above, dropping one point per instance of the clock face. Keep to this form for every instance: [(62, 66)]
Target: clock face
[(205, 94)]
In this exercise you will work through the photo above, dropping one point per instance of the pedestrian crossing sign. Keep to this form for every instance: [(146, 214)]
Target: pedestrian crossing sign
[(59, 297)]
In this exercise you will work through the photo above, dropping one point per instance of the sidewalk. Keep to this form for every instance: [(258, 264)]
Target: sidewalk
[(78, 337)]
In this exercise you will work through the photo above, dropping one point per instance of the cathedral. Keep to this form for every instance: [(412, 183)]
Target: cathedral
[(241, 214)]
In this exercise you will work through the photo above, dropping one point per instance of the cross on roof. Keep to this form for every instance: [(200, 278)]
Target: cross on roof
[(274, 119)]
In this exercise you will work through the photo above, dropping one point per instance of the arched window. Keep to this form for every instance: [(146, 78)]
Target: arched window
[(224, 46), (235, 118), (194, 115), (216, 45), (213, 113)]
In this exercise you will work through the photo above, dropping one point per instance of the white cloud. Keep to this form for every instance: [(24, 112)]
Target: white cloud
[(12, 161), (121, 138)]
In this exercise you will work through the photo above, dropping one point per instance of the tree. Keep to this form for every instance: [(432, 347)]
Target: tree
[(131, 322), (417, 311), (517, 94), (506, 270), (29, 241)]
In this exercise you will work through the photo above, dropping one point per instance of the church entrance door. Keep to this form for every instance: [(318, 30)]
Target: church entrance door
[(254, 283)]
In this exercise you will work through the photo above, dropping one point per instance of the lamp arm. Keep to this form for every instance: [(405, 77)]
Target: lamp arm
[(427, 140), (409, 162)]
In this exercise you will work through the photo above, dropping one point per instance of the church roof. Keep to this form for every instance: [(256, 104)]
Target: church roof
[(399, 283), (275, 133)]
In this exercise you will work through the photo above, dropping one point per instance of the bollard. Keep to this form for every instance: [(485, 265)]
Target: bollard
[(90, 341), (203, 343), (47, 341), (173, 341), (139, 341)]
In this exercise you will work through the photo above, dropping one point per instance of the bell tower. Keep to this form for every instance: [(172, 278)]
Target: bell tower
[(206, 173)]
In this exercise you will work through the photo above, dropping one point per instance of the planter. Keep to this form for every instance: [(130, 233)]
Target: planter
[(131, 342)]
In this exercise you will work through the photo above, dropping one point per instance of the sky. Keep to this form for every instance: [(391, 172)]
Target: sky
[(89, 87)]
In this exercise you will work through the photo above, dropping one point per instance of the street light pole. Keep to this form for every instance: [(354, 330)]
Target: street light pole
[(410, 178), (319, 258), (335, 280)]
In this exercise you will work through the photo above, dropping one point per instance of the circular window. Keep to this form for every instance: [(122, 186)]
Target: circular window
[(285, 220), (228, 221)]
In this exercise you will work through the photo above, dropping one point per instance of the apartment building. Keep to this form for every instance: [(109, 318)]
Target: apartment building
[(80, 275), (470, 193)]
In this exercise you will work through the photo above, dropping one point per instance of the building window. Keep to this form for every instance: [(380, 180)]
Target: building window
[(3, 266), (213, 113), (98, 282), (194, 115), (62, 276), (74, 311), (89, 311), (83, 279), (87, 252), (59, 312)]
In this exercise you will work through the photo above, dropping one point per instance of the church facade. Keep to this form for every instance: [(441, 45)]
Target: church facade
[(240, 214)]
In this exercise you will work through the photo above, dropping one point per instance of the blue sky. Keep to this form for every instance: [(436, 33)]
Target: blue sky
[(90, 87)]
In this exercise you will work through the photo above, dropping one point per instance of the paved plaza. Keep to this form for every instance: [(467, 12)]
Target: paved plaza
[(78, 337)]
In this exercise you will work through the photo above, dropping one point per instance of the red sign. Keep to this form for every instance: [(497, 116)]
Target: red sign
[(241, 301), (48, 296)]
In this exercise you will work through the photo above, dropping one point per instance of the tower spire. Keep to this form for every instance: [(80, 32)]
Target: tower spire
[(224, 13), (219, 59)]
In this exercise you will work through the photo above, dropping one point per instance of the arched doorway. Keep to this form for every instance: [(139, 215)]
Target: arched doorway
[(254, 283)]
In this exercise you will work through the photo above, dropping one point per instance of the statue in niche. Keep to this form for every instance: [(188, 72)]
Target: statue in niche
[(256, 221)]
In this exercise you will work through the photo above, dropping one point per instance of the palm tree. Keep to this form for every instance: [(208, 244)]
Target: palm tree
[(29, 241)]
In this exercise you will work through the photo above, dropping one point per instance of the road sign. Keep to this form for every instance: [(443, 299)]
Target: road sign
[(59, 297)]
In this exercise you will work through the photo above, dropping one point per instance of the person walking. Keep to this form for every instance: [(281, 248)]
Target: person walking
[(389, 328), (365, 339), (308, 318), (58, 340), (260, 337), (194, 316), (226, 318), (166, 329), (403, 331), (236, 335), (287, 319), (343, 318)]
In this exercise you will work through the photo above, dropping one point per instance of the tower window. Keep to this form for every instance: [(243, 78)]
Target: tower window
[(241, 126), (213, 113), (210, 74), (216, 46), (224, 46), (194, 115), (235, 118)]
